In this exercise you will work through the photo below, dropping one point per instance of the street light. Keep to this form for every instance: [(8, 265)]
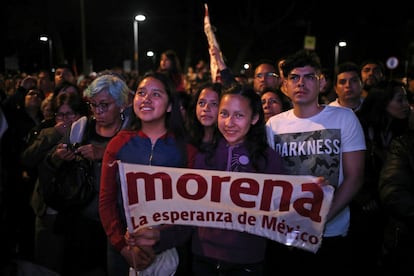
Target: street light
[(138, 18), (45, 38), (337, 45), (151, 54)]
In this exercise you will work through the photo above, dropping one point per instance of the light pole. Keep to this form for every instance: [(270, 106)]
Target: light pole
[(138, 18), (337, 45), (45, 38)]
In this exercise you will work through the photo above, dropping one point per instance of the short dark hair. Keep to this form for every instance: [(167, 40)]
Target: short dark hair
[(301, 58), (373, 61), (348, 66), (65, 66), (265, 61)]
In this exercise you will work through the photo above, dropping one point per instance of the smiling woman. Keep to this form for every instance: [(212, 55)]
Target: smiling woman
[(158, 133)]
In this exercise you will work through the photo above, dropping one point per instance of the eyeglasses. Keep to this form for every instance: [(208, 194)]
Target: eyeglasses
[(266, 75), (61, 115), (307, 78), (102, 107)]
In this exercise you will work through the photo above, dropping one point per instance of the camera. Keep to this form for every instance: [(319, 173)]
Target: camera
[(73, 147)]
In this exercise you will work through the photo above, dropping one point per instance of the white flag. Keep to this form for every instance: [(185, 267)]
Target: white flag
[(212, 41)]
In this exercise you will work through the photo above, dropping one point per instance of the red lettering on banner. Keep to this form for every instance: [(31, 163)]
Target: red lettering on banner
[(307, 207), (236, 190), (315, 202), (149, 180), (201, 186), (287, 190), (216, 182)]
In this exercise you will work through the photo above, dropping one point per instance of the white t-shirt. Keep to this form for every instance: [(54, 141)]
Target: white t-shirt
[(314, 146), (336, 103)]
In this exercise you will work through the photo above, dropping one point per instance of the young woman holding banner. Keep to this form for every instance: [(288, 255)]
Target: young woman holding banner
[(156, 136), (243, 148)]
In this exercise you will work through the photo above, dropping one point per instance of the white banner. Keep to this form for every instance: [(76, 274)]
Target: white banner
[(288, 209)]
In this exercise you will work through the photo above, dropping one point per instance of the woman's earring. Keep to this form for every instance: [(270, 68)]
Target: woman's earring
[(122, 115)]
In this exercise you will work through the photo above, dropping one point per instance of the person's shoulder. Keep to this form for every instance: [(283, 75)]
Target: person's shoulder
[(274, 160), (339, 110), (334, 103), (122, 137), (407, 139), (270, 152), (126, 133), (280, 120), (48, 131), (280, 117), (342, 117), (191, 149)]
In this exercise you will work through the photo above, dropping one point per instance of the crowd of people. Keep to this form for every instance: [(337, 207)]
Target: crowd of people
[(168, 117)]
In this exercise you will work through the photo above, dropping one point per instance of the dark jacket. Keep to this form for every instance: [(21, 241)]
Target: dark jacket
[(396, 189), (43, 142)]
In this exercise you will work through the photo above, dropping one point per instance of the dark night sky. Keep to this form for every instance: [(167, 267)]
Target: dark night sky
[(247, 31)]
